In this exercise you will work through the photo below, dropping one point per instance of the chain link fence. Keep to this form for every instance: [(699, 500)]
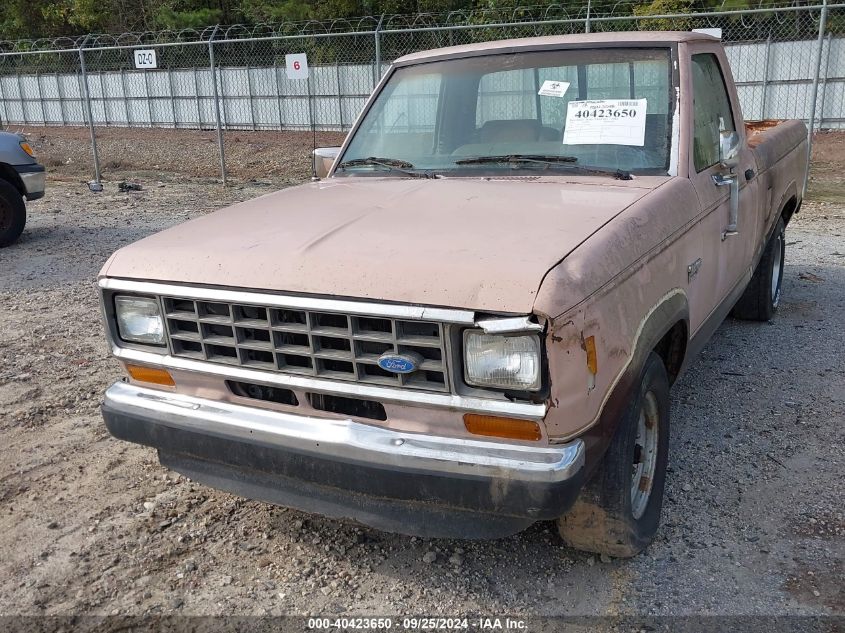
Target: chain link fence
[(788, 62)]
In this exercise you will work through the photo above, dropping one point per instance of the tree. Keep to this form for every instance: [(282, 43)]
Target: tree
[(664, 7)]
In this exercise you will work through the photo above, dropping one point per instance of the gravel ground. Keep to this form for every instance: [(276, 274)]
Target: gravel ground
[(280, 157), (753, 524)]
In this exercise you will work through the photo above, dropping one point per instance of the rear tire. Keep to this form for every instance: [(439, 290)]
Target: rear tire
[(12, 213), (760, 300), (618, 511)]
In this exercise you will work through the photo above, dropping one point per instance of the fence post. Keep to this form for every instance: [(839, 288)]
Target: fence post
[(105, 100), (22, 100), (148, 97), (197, 98), (41, 97), (61, 98), (172, 95), (278, 94), (217, 105), (377, 68), (815, 95), (339, 94), (824, 82), (87, 96), (587, 21), (311, 115), (5, 115), (766, 75), (125, 97), (250, 89)]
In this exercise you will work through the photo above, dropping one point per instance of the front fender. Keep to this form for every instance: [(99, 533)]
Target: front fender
[(589, 405)]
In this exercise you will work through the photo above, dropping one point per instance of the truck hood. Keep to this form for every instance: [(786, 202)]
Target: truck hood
[(479, 244)]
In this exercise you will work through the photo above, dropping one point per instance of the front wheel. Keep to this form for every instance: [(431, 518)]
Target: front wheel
[(760, 300), (618, 511), (12, 213)]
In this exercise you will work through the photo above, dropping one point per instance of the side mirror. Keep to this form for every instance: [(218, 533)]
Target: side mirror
[(729, 149), (324, 159)]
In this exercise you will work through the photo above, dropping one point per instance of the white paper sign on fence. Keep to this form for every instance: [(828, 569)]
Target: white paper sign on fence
[(145, 59), (605, 122), (296, 66)]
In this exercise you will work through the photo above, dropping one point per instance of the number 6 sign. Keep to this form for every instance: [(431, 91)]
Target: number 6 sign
[(296, 66)]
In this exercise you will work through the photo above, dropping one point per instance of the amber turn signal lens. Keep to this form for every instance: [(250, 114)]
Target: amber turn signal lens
[(150, 375), (592, 358), (28, 149), (509, 428)]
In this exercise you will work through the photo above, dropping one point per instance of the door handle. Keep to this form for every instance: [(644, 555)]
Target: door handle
[(730, 180)]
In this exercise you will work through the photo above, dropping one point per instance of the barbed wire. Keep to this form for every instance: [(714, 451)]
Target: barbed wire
[(464, 17)]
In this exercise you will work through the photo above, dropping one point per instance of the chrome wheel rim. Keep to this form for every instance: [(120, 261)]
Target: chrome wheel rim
[(777, 269), (645, 455)]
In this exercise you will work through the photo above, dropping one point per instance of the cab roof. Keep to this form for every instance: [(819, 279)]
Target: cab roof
[(586, 40)]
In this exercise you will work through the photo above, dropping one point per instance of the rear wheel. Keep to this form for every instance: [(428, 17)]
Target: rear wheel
[(12, 213), (618, 511), (760, 300)]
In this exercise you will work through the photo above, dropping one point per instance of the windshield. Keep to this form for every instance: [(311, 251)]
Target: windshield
[(605, 109)]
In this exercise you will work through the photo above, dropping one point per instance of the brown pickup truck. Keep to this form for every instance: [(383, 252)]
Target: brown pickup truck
[(473, 320)]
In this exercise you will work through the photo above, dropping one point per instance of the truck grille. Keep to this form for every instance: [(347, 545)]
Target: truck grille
[(305, 342)]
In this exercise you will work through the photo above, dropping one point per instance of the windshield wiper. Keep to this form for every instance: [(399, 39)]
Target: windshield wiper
[(552, 159), (517, 158), (391, 164)]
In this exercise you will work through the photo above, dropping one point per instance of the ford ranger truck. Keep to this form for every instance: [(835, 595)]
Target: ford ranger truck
[(472, 322)]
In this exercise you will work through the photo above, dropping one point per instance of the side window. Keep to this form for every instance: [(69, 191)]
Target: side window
[(711, 111)]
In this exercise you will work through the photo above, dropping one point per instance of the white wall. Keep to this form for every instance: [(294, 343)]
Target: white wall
[(264, 98)]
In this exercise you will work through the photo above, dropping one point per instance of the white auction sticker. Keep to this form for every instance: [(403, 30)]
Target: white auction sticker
[(606, 122), (553, 88), (296, 66)]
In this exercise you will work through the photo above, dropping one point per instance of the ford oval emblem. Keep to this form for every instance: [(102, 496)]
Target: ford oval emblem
[(404, 363)]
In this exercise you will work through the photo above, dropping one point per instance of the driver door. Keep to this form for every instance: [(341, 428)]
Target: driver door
[(716, 110)]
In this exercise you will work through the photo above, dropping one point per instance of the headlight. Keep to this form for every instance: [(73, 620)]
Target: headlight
[(507, 362), (139, 320)]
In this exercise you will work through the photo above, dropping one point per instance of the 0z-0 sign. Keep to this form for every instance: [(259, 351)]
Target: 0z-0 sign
[(145, 59)]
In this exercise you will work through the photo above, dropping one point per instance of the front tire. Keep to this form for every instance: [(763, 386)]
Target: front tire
[(618, 511), (12, 213), (760, 300)]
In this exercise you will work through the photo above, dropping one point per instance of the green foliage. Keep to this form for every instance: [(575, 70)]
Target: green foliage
[(168, 18), (33, 19), (79, 15), (268, 11), (664, 7)]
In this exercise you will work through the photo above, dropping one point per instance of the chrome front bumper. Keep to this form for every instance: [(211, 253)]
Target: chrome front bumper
[(34, 179), (395, 481)]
